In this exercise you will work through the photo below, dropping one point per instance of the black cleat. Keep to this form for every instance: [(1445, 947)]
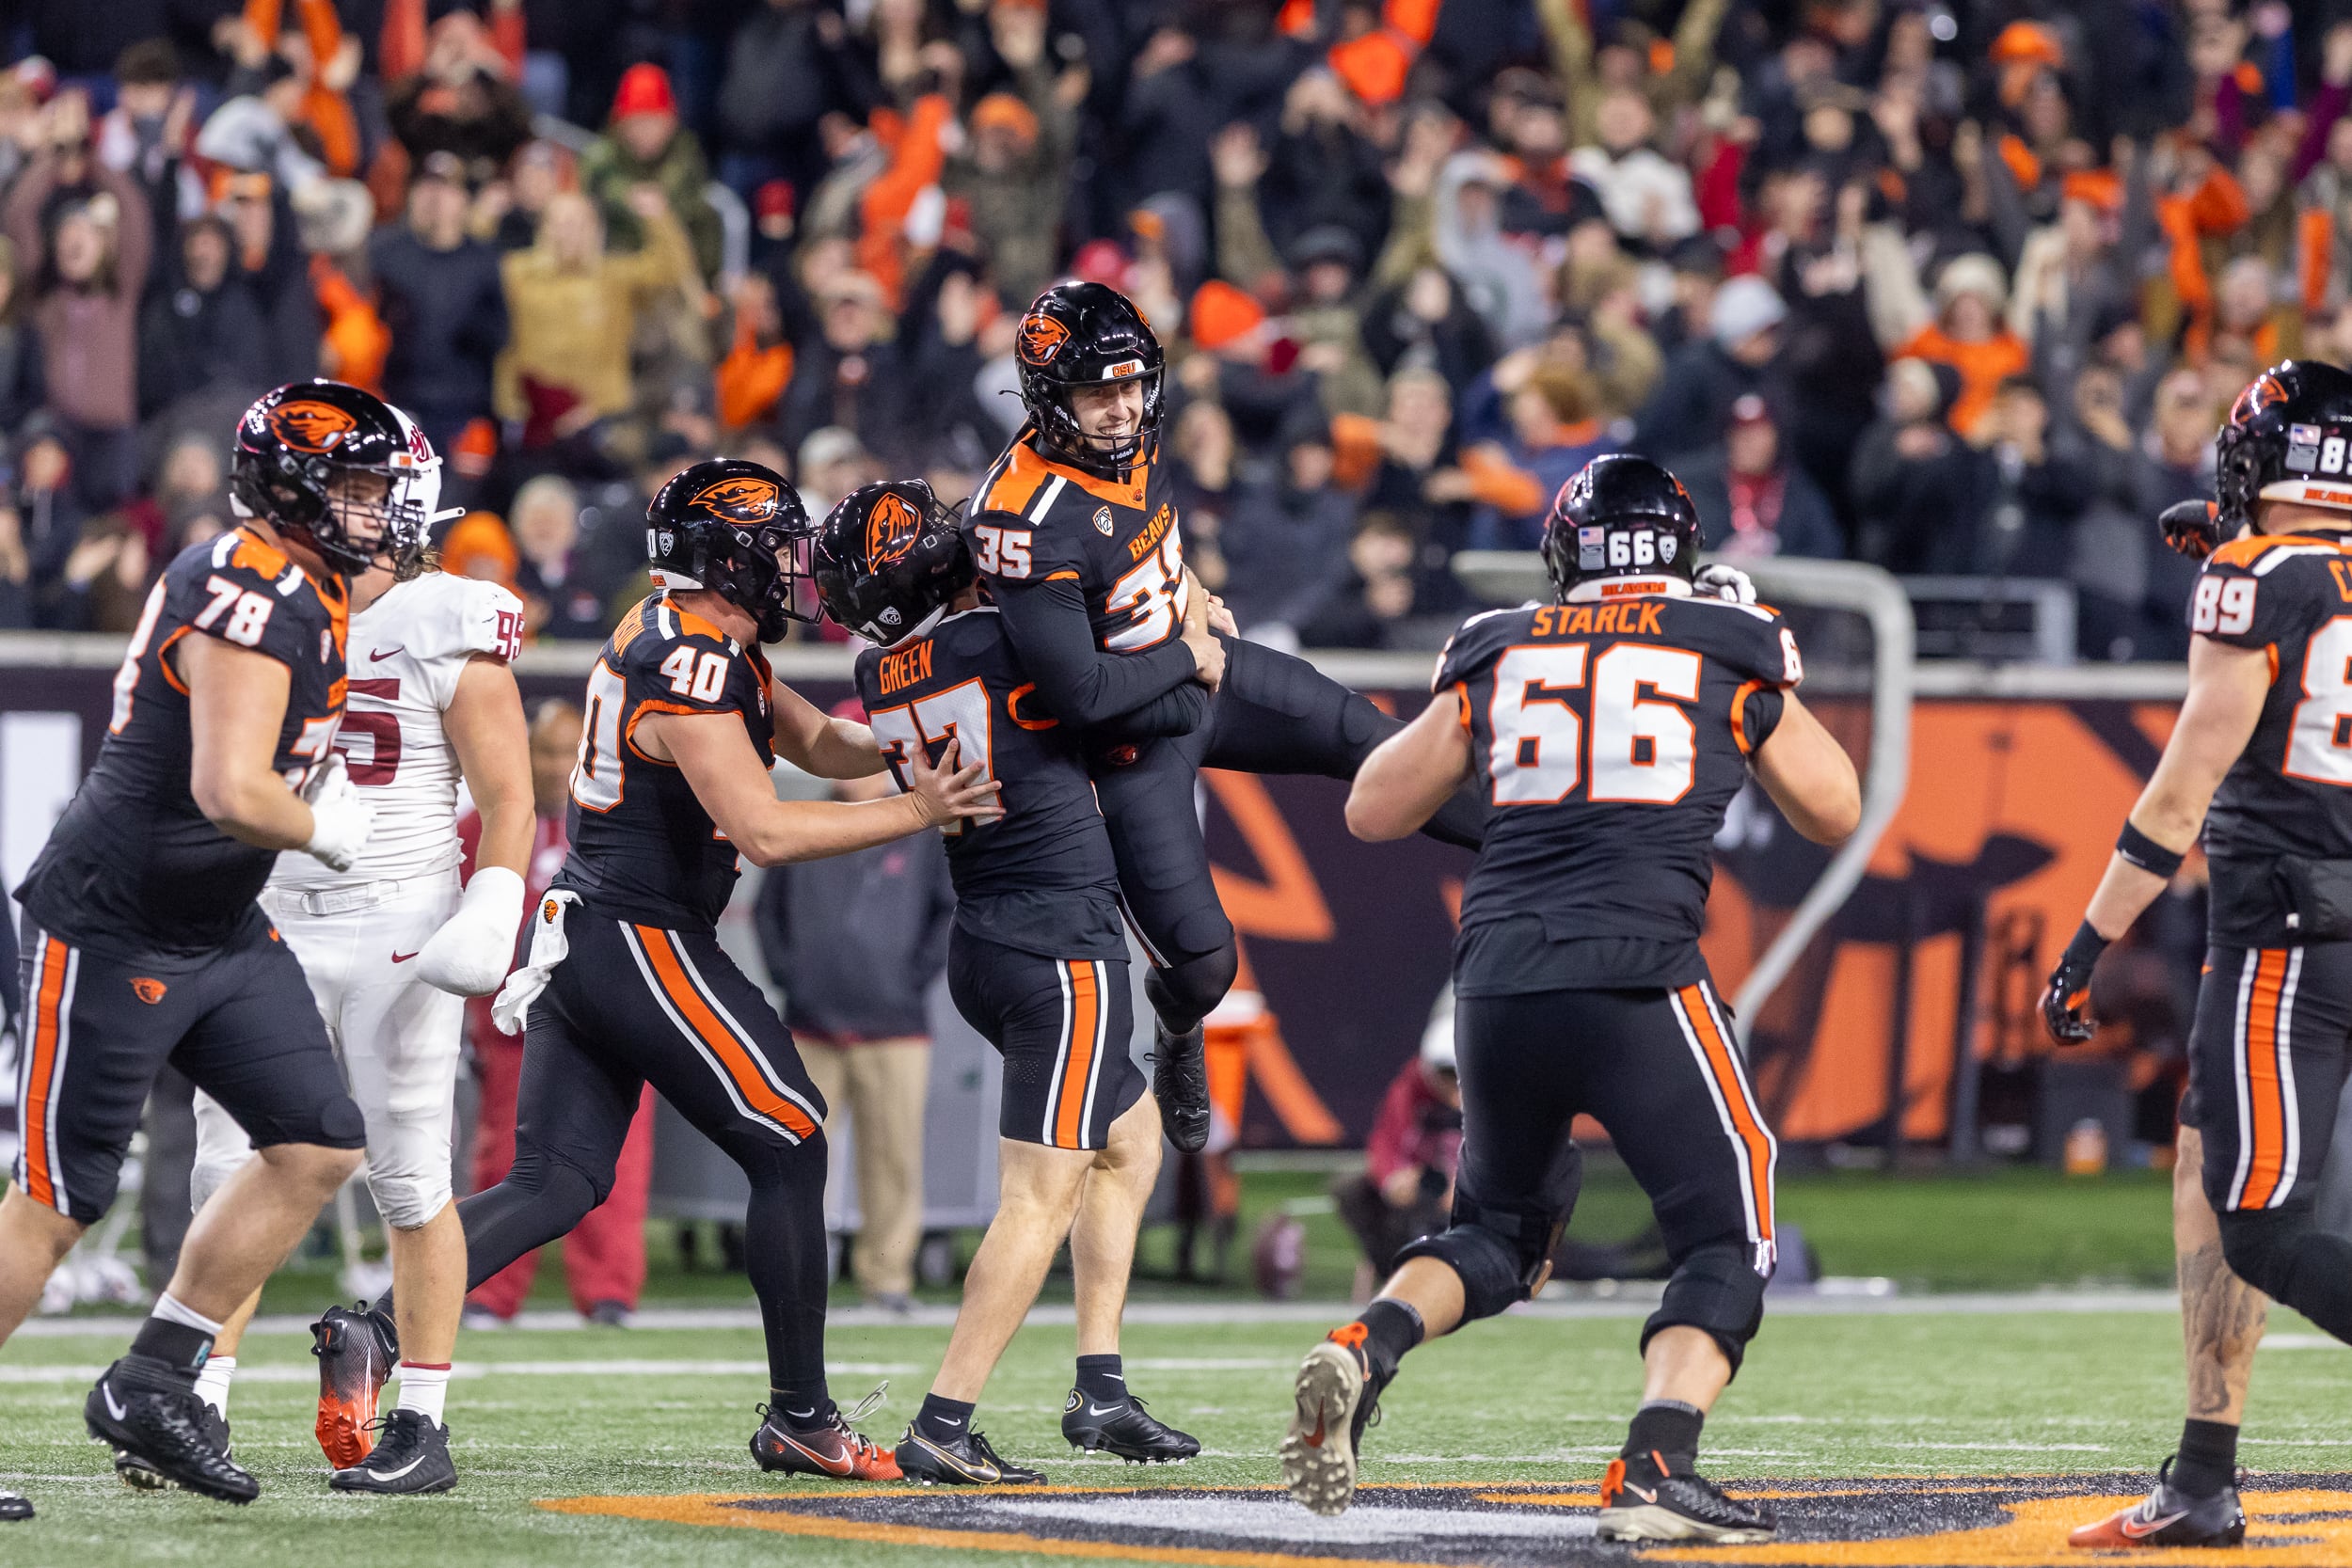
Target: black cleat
[(410, 1456), (971, 1461), (14, 1506), (1643, 1499), (145, 1414), (1180, 1084), (1126, 1429), (357, 1349), (1336, 1397), (2169, 1516), (135, 1472)]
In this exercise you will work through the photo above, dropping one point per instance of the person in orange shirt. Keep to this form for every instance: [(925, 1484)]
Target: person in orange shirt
[(1968, 335)]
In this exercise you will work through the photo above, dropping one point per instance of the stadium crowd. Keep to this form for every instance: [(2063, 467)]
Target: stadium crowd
[(1956, 288)]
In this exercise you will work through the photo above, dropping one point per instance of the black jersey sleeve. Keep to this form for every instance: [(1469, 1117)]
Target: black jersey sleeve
[(1080, 682), (1474, 646), (2259, 591), (1179, 711)]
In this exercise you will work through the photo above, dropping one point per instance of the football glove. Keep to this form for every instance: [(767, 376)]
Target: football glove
[(2066, 1004), (1724, 582), (2192, 528), (469, 955), (340, 821)]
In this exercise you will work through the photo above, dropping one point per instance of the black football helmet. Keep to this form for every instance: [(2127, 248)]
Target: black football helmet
[(296, 448), (738, 529), (1081, 334), (2288, 438), (1620, 515), (888, 561)]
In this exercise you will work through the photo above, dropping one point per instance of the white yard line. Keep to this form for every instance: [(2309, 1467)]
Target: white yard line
[(269, 1373), (1794, 1304)]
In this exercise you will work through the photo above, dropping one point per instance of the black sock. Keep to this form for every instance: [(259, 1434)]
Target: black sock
[(179, 1349), (1390, 1329), (803, 1406), (1667, 1428), (1103, 1379), (943, 1420), (2207, 1460)]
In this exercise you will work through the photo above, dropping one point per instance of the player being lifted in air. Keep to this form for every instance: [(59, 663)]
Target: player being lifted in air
[(627, 984), (1037, 964), (392, 949), (143, 943), (1610, 729), (1077, 534), (2259, 760)]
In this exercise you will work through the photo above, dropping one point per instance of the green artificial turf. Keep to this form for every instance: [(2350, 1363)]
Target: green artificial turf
[(1520, 1399)]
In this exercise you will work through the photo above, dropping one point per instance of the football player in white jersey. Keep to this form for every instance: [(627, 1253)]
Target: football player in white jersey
[(392, 948)]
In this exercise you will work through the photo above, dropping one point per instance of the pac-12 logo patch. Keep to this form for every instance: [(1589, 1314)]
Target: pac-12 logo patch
[(1103, 521)]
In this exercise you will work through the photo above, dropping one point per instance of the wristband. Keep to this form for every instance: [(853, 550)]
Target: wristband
[(2084, 949), (2146, 853)]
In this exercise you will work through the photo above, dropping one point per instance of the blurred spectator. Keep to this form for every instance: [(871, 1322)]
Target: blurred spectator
[(202, 329), (1646, 196), (1913, 478), (464, 100), (1370, 603), (440, 296), (478, 545), (1013, 172), (574, 308), (1406, 1186), (559, 601), (832, 463), (1553, 418), (254, 130), (1690, 410), (1969, 334), (146, 133), (794, 92), (2034, 489), (1754, 499), (83, 232), (1281, 541), (644, 145), (847, 376), (21, 389)]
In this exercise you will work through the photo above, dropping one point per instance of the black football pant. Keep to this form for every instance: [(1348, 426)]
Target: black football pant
[(635, 1004), (1660, 1070), (2267, 1055), (1274, 714)]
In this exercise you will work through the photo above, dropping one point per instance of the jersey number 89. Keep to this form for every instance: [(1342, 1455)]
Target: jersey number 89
[(1641, 746)]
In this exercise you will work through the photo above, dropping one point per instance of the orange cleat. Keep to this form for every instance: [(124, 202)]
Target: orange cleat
[(2169, 1516), (833, 1447), (358, 1349)]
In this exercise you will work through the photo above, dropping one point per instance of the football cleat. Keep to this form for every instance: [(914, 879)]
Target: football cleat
[(145, 1416), (970, 1461), (409, 1457), (2169, 1516), (1124, 1428), (14, 1506), (833, 1447), (1336, 1397), (1644, 1499), (135, 1472), (1179, 1085), (357, 1349)]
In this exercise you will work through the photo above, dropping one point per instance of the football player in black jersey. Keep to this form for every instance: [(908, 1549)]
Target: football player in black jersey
[(142, 940), (2261, 761), (1037, 964), (1611, 730), (1076, 531), (627, 984)]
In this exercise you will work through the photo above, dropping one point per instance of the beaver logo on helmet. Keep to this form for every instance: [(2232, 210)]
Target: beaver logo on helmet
[(739, 499), (891, 528), (1042, 338), (311, 424)]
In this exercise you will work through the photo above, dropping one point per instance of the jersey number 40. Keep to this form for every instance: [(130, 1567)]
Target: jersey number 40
[(1614, 726)]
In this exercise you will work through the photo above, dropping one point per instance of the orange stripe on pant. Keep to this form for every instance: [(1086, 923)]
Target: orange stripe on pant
[(39, 1182), (731, 1053), (2266, 1097), (1070, 1115), (1744, 1119)]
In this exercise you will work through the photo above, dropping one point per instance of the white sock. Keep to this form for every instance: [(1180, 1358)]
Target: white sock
[(211, 1384), (423, 1389), (173, 1310)]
